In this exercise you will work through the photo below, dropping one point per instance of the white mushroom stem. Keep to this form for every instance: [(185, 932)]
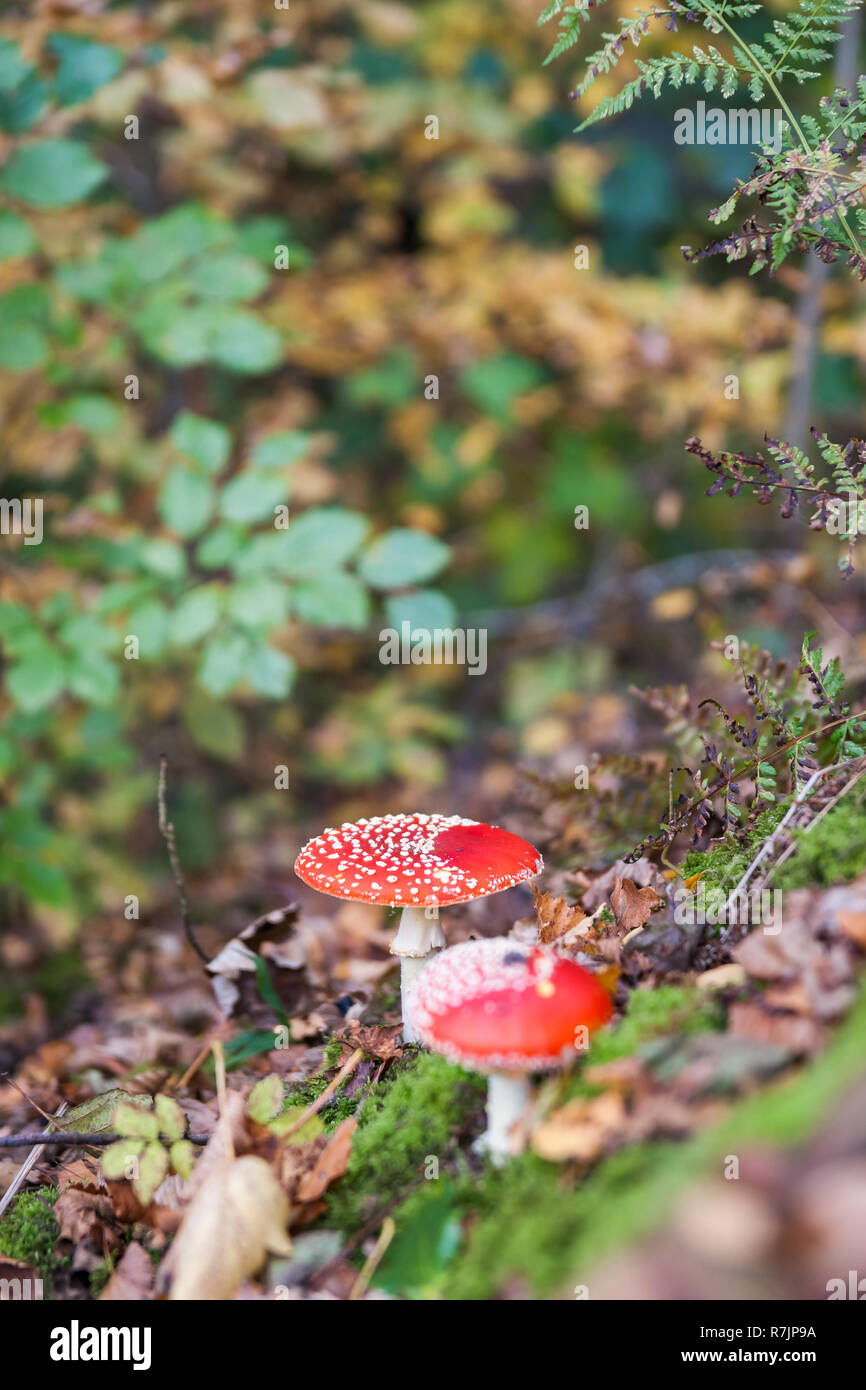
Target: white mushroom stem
[(418, 934), (507, 1099)]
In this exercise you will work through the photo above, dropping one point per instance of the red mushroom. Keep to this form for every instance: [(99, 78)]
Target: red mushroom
[(419, 863), (505, 1010)]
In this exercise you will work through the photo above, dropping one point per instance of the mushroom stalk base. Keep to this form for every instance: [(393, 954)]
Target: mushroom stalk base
[(417, 936), (507, 1099)]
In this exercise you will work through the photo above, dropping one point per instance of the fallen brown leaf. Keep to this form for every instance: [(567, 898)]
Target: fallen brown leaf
[(556, 916), (331, 1164), (633, 906), (133, 1279), (238, 1215)]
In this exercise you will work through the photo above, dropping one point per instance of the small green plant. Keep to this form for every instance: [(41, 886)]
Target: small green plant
[(152, 1146), (836, 500)]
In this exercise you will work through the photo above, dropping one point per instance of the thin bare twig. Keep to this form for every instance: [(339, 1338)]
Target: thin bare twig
[(166, 829), (371, 1264), (71, 1137), (30, 1161)]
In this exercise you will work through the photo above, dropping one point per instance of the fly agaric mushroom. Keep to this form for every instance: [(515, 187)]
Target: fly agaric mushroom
[(505, 1010), (419, 863)]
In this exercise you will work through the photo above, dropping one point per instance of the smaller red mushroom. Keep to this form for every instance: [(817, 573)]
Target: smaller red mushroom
[(420, 863), (506, 1010)]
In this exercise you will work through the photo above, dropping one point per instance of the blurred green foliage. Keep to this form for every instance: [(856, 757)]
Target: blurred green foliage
[(280, 365)]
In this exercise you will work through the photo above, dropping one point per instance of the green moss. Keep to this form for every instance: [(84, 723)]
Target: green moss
[(424, 1111), (29, 1230), (724, 864), (833, 851), (340, 1106), (100, 1276)]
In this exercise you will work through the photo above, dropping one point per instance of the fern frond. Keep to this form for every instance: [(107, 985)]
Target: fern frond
[(814, 185)]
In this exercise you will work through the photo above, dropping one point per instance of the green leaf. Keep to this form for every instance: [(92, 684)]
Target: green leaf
[(271, 672), (116, 1157), (93, 678), (152, 1169), (22, 107), (424, 1245), (24, 316), (251, 496), (228, 276), (22, 346), (248, 1044), (84, 67), (279, 450), (52, 173), (332, 600), (426, 609), (224, 662), (266, 1099), (220, 546), (165, 558), (182, 1155), (402, 557), (37, 678), (320, 539), (170, 1117), (242, 343), (267, 989), (135, 1122), (96, 1115), (206, 441), (195, 615), (494, 383), (149, 623), (258, 602), (13, 68), (93, 413), (186, 500), (16, 236)]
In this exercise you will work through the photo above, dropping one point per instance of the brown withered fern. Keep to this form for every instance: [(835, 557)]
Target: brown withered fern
[(834, 502), (795, 722)]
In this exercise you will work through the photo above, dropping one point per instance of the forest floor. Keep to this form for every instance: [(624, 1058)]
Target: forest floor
[(734, 1053)]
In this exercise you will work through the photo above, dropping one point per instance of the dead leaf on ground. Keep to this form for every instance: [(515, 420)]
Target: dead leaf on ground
[(580, 1129), (556, 917), (331, 1164), (134, 1277), (633, 906), (383, 1043), (799, 1036), (237, 1217), (79, 1210), (853, 925)]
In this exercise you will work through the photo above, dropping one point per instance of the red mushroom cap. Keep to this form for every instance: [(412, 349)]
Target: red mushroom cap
[(401, 861), (493, 1005)]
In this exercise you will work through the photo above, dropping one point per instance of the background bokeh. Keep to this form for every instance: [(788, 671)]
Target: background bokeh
[(265, 136)]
